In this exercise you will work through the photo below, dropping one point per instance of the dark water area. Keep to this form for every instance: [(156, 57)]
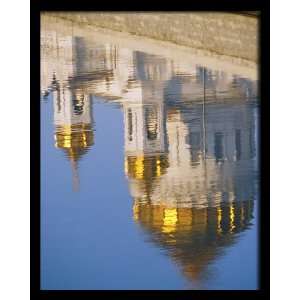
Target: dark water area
[(149, 168)]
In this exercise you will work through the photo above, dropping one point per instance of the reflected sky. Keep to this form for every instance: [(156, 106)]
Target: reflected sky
[(149, 167)]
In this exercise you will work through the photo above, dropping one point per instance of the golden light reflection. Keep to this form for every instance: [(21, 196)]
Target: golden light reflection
[(158, 170), (145, 167), (139, 168), (219, 218), (232, 217), (74, 138), (135, 212), (170, 220)]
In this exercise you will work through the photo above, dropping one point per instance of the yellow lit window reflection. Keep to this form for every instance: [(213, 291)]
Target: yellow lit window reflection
[(170, 220)]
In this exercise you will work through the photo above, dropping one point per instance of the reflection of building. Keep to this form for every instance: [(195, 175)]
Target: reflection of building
[(190, 158)]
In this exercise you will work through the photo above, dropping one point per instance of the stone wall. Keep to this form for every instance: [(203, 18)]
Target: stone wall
[(223, 33)]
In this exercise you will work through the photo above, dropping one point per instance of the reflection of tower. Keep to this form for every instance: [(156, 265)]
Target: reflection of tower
[(144, 108), (193, 237), (144, 125), (145, 145), (73, 122)]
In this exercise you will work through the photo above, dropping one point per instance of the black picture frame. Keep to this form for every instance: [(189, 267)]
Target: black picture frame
[(213, 5)]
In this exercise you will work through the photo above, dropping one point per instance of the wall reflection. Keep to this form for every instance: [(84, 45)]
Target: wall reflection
[(190, 143)]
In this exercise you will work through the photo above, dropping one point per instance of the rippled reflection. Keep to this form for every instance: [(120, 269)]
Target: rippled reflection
[(193, 237), (190, 133)]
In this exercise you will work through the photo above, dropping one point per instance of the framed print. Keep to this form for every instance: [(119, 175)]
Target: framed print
[(152, 176)]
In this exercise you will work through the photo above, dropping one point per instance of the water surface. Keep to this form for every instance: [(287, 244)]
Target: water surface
[(149, 167)]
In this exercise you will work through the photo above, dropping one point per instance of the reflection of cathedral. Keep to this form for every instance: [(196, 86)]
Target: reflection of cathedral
[(190, 158)]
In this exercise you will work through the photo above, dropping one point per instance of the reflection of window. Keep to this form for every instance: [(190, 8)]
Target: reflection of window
[(78, 103), (58, 101), (219, 149), (151, 122), (238, 146), (252, 144), (129, 116), (193, 139)]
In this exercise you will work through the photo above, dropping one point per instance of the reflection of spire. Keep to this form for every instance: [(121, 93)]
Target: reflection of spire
[(75, 175), (75, 140)]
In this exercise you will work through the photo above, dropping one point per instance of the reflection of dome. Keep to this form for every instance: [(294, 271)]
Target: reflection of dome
[(192, 237), (75, 139)]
